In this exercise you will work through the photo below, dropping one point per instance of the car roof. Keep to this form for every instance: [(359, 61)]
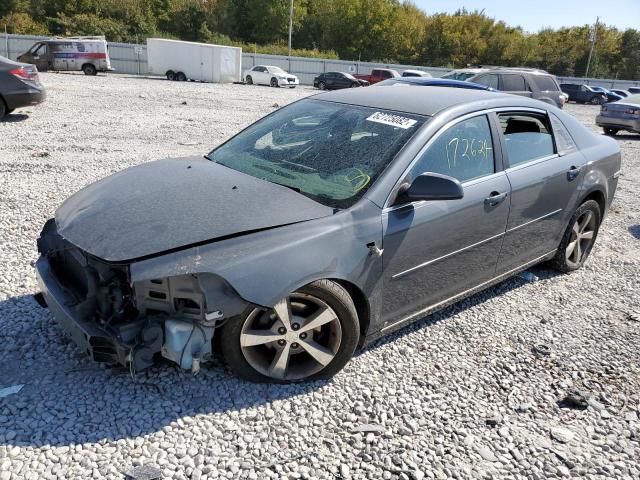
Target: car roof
[(435, 82), (428, 102)]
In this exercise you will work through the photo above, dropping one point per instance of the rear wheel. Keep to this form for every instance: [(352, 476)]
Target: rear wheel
[(89, 69), (181, 77), (610, 131), (274, 82), (579, 238), (3, 109), (171, 75), (249, 80), (310, 334)]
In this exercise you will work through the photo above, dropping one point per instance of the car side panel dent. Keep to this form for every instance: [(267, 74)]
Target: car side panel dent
[(263, 267)]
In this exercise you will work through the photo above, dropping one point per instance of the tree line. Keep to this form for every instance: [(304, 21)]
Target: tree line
[(389, 31)]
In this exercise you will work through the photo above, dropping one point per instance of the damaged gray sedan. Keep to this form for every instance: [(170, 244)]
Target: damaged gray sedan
[(323, 226)]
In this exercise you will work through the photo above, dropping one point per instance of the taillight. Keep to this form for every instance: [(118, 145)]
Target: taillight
[(25, 74), (633, 111)]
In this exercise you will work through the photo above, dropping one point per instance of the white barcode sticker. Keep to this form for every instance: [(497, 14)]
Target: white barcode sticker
[(393, 120)]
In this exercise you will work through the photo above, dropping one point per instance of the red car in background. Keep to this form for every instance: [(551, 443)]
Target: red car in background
[(379, 74)]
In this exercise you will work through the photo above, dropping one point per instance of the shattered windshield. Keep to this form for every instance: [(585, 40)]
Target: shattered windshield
[(327, 151)]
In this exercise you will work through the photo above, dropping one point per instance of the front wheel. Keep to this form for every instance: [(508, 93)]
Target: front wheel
[(249, 80), (598, 100), (579, 238), (89, 69), (274, 82), (3, 109), (354, 85), (310, 334), (322, 86), (171, 75), (610, 131)]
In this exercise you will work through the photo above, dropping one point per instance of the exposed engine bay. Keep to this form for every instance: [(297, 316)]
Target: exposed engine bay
[(117, 321)]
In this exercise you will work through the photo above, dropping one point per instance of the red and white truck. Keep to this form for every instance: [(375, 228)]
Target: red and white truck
[(379, 74)]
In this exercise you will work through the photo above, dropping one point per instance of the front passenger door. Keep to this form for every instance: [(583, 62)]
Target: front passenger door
[(435, 250)]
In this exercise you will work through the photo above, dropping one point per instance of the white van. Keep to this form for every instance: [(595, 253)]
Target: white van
[(89, 54)]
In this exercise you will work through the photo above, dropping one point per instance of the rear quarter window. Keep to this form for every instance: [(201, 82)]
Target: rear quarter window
[(546, 83), (564, 140)]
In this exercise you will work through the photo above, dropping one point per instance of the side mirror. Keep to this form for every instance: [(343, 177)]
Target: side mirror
[(431, 186)]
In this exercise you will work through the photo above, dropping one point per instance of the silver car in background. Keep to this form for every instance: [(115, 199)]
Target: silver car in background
[(621, 115)]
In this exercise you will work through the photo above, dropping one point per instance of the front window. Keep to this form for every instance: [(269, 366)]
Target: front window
[(327, 151), (488, 80), (464, 151)]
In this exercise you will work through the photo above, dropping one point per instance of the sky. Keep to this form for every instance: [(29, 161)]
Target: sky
[(532, 15)]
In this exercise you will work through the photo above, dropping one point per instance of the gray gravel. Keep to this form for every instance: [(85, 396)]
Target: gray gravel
[(461, 394)]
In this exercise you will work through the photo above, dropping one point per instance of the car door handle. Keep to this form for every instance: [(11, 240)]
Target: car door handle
[(573, 173), (495, 198)]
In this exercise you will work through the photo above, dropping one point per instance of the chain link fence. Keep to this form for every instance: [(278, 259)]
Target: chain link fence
[(131, 58)]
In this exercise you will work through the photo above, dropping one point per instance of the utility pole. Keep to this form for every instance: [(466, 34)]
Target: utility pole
[(290, 24), (593, 44)]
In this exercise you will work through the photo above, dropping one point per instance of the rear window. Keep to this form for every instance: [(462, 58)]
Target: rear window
[(527, 137), (546, 83)]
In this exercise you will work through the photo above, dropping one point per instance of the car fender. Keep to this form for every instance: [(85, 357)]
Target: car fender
[(263, 267)]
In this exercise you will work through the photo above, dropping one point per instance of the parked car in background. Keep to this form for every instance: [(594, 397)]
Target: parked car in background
[(337, 80), (415, 73), (463, 73), (611, 96), (620, 115), (634, 90), (583, 94), (89, 54), (379, 74), (532, 83), (432, 82), (270, 75), (19, 86), (325, 225), (622, 93)]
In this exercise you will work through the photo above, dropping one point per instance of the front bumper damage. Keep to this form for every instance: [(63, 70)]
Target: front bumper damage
[(116, 320)]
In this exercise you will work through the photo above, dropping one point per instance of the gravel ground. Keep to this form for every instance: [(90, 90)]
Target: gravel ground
[(460, 394)]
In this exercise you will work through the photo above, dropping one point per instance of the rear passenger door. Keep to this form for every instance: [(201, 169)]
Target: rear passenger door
[(515, 84), (544, 168)]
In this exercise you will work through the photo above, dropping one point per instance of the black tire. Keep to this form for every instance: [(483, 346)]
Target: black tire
[(181, 77), (322, 86), (274, 82), (598, 100), (171, 75), (354, 84), (249, 80), (326, 290), (3, 109), (89, 69), (610, 131), (560, 262)]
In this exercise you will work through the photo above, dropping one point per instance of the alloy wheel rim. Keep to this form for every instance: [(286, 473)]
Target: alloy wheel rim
[(581, 238), (298, 338)]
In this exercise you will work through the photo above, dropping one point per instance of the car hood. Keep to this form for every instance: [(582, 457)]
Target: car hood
[(174, 203)]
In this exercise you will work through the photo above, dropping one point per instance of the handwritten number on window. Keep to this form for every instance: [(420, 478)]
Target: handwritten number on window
[(472, 149)]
